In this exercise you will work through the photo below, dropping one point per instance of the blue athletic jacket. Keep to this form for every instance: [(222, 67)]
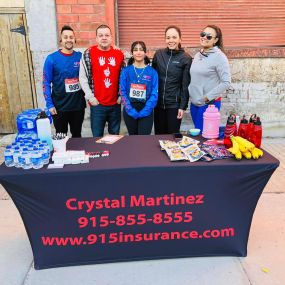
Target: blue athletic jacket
[(147, 76), (58, 68)]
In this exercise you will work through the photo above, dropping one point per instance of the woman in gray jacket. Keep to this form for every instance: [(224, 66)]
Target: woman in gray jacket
[(210, 74)]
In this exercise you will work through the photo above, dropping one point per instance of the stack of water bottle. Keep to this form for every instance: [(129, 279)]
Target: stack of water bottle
[(27, 153), (33, 143)]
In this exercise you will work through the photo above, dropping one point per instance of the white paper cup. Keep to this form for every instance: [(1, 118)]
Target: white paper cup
[(59, 145)]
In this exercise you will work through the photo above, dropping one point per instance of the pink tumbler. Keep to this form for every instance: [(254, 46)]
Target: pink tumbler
[(211, 122)]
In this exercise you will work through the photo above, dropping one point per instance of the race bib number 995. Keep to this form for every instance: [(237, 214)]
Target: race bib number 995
[(72, 85)]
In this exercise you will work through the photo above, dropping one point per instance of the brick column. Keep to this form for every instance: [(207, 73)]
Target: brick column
[(84, 16)]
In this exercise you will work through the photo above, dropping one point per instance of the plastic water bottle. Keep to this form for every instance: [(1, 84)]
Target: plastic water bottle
[(45, 152), (8, 157), (21, 160), (13, 145), (44, 129), (16, 156), (36, 142), (36, 158), (211, 122), (22, 146), (26, 159)]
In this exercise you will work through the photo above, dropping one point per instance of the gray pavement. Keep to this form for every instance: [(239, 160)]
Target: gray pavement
[(264, 264)]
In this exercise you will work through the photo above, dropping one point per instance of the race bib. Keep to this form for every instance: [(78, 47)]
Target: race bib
[(72, 85), (138, 91)]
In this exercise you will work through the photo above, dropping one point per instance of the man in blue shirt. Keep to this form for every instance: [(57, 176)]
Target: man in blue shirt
[(62, 91)]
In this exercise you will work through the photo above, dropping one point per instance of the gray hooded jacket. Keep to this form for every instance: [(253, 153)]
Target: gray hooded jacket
[(210, 76)]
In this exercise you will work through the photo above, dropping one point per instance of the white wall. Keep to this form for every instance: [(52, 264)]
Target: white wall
[(42, 34)]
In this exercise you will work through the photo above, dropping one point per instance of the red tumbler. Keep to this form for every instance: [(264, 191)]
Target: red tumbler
[(243, 126), (256, 135), (250, 127), (230, 130)]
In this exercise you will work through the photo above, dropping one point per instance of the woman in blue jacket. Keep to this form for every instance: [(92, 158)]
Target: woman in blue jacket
[(139, 91)]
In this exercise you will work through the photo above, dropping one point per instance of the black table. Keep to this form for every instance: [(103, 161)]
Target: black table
[(136, 204)]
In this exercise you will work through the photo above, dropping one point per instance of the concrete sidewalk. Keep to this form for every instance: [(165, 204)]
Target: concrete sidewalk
[(264, 264)]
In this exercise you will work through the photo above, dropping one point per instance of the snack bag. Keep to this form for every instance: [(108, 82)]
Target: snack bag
[(186, 141), (193, 152), (216, 152), (167, 144), (176, 154)]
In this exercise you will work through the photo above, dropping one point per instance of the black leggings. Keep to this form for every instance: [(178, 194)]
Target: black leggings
[(73, 118), (165, 121), (141, 126)]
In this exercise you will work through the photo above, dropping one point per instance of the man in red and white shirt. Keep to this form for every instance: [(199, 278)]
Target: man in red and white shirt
[(100, 68)]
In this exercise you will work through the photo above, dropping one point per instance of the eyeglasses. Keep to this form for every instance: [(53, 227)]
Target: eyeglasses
[(207, 35)]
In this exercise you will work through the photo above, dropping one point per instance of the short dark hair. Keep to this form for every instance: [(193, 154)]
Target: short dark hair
[(66, 28), (103, 26), (142, 44)]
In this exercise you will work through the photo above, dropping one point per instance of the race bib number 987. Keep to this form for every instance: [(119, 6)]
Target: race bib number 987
[(72, 85), (138, 91)]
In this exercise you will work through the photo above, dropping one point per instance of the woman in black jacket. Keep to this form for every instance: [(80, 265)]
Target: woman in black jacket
[(172, 65)]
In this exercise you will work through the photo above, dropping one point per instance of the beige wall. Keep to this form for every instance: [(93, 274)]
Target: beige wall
[(12, 3), (259, 85)]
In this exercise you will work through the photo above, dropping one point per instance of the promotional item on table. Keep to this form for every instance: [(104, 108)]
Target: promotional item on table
[(211, 122), (109, 139), (34, 142)]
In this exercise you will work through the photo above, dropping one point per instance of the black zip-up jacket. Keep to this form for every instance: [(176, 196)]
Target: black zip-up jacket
[(173, 68)]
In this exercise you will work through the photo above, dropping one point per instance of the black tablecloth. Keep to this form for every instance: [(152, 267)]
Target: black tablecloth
[(136, 204)]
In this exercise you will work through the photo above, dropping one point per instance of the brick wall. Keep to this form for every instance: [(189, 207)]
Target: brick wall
[(84, 16)]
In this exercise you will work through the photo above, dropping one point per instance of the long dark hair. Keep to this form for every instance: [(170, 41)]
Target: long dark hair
[(219, 34), (142, 44), (177, 29)]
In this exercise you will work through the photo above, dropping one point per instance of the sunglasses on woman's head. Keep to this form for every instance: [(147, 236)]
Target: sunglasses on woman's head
[(207, 35)]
